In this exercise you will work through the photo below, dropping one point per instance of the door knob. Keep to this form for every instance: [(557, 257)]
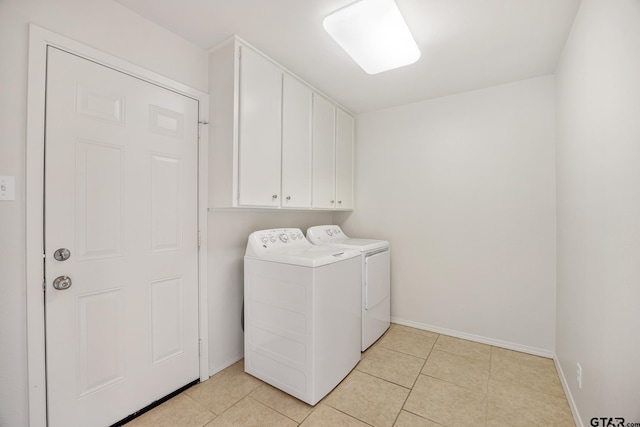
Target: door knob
[(61, 283)]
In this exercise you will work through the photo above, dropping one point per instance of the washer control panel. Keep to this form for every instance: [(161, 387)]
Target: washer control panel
[(277, 239)]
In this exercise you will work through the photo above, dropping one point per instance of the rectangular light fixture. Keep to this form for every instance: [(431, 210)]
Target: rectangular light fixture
[(374, 34)]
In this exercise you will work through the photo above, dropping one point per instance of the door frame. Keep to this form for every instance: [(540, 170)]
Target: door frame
[(39, 40)]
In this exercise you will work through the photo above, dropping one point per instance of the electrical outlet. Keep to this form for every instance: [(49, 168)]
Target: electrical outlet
[(579, 376), (7, 188)]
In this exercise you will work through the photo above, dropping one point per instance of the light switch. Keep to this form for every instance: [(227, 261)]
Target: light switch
[(7, 188)]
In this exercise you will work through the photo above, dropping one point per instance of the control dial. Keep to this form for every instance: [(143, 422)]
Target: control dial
[(284, 238)]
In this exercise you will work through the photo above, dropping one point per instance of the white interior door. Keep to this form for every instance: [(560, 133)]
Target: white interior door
[(121, 196)]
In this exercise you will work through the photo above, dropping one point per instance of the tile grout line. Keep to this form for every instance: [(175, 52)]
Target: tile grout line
[(414, 384), (525, 385), (452, 383), (200, 405), (390, 381), (459, 355), (241, 398), (347, 414), (386, 381), (486, 404), (423, 417), (400, 351), (277, 411)]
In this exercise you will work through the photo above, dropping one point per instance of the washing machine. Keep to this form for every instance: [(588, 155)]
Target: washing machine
[(375, 258), (302, 313)]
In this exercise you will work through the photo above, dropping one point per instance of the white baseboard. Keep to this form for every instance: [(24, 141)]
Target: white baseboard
[(567, 391), (477, 338)]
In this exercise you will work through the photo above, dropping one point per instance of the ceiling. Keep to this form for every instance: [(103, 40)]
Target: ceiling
[(465, 44)]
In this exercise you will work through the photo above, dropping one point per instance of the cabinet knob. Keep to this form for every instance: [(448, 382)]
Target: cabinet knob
[(288, 198), (333, 201), (339, 202), (275, 196)]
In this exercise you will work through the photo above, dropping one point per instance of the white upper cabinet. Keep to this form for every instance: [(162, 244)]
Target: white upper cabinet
[(275, 142), (344, 160), (296, 143), (324, 130), (259, 135), (333, 135)]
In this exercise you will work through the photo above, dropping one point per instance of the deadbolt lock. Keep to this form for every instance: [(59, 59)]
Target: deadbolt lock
[(62, 254)]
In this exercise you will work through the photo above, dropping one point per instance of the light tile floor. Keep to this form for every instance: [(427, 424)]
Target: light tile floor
[(408, 378)]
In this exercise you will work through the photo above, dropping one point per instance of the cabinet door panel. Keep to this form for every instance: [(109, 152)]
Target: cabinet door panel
[(296, 143), (259, 130), (344, 160), (324, 114)]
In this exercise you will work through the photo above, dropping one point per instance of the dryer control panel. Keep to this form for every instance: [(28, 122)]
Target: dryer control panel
[(325, 234)]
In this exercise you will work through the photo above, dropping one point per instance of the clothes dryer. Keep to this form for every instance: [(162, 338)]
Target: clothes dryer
[(302, 324), (376, 277)]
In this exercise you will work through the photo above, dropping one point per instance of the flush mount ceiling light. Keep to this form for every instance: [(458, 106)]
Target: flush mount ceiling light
[(374, 34)]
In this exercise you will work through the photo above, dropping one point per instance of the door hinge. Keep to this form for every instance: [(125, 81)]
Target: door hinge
[(199, 239), (201, 122)]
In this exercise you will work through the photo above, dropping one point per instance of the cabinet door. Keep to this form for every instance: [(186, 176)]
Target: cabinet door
[(324, 113), (259, 131), (296, 143), (344, 160)]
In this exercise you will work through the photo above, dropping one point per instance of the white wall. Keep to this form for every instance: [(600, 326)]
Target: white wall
[(598, 152), (102, 24), (463, 188)]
